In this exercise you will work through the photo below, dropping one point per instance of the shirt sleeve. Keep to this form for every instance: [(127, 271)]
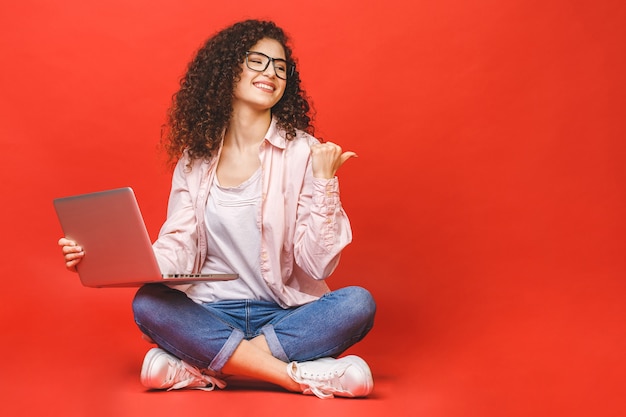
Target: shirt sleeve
[(323, 229), (176, 246)]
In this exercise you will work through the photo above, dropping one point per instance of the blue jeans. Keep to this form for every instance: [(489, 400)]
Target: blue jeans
[(207, 335)]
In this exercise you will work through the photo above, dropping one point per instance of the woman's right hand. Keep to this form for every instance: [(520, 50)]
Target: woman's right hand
[(72, 252)]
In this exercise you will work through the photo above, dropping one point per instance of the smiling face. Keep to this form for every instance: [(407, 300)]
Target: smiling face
[(260, 90)]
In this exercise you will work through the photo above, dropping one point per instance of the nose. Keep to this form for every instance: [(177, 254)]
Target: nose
[(270, 71)]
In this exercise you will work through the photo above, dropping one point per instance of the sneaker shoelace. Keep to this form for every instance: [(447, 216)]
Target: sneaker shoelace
[(322, 384), (190, 376)]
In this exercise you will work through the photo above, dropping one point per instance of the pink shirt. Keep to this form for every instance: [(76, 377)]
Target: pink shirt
[(303, 226)]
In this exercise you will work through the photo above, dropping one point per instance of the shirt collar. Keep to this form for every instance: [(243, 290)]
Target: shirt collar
[(276, 136)]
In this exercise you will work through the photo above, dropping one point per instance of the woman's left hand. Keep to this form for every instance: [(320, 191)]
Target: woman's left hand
[(327, 157)]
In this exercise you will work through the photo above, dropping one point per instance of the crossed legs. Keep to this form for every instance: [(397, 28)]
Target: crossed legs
[(206, 339)]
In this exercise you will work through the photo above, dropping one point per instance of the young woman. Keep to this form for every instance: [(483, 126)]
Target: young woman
[(253, 192)]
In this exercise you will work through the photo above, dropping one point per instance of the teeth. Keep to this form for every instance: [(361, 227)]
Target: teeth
[(264, 86)]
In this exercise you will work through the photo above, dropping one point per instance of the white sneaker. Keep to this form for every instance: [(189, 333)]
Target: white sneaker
[(345, 377), (161, 370)]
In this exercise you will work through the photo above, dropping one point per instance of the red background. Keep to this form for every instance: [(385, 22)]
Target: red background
[(487, 200)]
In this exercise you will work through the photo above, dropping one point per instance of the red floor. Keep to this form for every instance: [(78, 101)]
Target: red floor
[(74, 351)]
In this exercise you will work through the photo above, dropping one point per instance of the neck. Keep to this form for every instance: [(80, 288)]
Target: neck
[(247, 129)]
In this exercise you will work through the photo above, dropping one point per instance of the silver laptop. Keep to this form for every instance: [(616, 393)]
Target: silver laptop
[(118, 252)]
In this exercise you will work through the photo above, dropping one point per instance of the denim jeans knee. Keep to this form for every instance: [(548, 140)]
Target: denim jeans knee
[(328, 326), (182, 327)]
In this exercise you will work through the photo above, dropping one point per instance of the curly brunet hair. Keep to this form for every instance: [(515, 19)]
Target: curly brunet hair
[(201, 110)]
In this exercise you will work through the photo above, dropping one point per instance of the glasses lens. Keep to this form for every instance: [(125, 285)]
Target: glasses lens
[(257, 62), (280, 68)]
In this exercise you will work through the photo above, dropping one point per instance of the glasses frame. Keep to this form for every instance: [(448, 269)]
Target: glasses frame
[(290, 67)]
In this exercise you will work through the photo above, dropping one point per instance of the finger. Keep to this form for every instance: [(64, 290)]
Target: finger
[(71, 265), (72, 260), (320, 148), (71, 249), (74, 255), (66, 242), (326, 146), (347, 155), (333, 148)]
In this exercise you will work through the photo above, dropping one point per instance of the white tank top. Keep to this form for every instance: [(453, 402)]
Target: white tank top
[(233, 219)]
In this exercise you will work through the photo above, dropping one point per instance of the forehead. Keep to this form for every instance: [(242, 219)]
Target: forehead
[(269, 47)]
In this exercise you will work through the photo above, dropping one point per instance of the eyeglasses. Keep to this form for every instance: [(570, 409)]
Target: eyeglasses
[(259, 62)]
